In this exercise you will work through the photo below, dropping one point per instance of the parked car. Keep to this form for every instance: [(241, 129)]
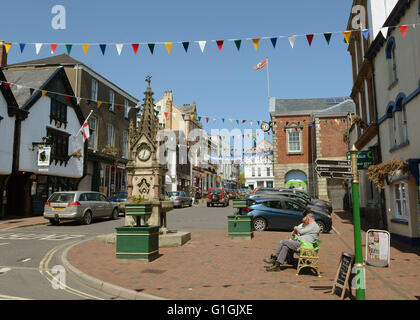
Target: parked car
[(244, 191), (180, 198), (79, 205), (232, 194), (261, 190), (120, 198), (217, 196), (282, 214), (314, 201)]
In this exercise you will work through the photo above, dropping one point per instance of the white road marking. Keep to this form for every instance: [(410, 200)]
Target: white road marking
[(4, 243), (4, 270), (4, 297), (34, 236), (26, 260)]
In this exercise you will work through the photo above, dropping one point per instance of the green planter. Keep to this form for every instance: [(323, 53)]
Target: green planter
[(239, 203), (140, 242), (240, 227), (136, 209)]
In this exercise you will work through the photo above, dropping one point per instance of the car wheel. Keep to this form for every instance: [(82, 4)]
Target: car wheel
[(54, 222), (115, 214), (259, 224), (322, 228), (87, 218)]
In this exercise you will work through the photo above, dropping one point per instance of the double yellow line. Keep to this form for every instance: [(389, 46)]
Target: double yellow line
[(44, 270)]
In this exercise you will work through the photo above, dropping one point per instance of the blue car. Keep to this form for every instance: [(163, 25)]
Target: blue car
[(282, 214), (120, 198)]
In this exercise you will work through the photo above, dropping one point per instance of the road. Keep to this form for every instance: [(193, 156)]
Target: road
[(31, 256)]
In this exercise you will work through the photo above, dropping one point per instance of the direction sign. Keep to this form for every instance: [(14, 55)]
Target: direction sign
[(333, 169), (364, 159), (336, 175), (346, 163)]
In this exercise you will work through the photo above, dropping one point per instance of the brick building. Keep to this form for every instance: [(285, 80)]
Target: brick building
[(306, 130)]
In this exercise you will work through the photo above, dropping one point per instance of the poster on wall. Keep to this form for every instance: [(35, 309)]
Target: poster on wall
[(378, 248), (44, 154)]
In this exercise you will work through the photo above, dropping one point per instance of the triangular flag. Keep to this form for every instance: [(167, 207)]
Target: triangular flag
[(19, 87), (366, 33), (238, 44), (53, 47), (89, 102), (327, 36), (202, 45), (223, 120), (273, 42), (8, 45), (292, 40), (168, 46), (6, 85), (118, 107), (119, 47), (384, 31), (192, 117), (156, 113), (243, 121), (22, 46), (199, 118), (135, 47), (220, 44), (310, 37), (186, 45), (103, 47), (256, 41), (67, 98), (166, 115), (31, 91), (207, 119), (68, 47), (78, 99), (403, 30), (237, 121), (347, 35), (183, 116), (43, 93), (151, 47), (85, 47), (230, 120), (99, 103), (38, 47)]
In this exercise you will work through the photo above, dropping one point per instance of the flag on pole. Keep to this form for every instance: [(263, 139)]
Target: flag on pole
[(85, 130), (261, 65)]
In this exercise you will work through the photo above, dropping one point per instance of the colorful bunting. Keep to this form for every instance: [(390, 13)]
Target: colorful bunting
[(6, 85), (327, 36), (31, 91), (85, 47), (292, 40), (103, 47), (67, 98), (186, 45), (273, 42), (384, 31), (166, 115), (119, 47), (168, 46), (135, 47), (310, 37), (256, 41), (99, 103), (38, 47), (22, 47), (53, 47), (238, 44), (202, 45), (403, 30), (68, 47), (43, 93), (365, 33), (8, 45), (347, 35), (220, 44), (207, 119), (151, 47)]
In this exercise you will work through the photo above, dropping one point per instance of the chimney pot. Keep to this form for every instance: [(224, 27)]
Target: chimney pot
[(3, 54)]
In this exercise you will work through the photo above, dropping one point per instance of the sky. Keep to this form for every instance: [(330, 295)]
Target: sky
[(222, 83)]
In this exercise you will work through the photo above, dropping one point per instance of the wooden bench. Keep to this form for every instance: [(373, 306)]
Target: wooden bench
[(309, 258)]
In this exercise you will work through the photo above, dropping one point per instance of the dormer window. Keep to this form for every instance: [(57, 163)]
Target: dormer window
[(58, 113)]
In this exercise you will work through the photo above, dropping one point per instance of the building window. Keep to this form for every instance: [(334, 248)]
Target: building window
[(58, 112), (125, 145), (401, 200), (111, 100), (93, 128), (60, 145), (111, 135), (404, 124), (126, 108), (94, 95), (390, 55), (253, 171), (259, 172), (395, 134), (293, 141), (268, 171)]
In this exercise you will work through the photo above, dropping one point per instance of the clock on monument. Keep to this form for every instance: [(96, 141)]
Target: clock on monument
[(144, 152)]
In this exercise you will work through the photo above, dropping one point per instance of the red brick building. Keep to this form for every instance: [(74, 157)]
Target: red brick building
[(306, 130)]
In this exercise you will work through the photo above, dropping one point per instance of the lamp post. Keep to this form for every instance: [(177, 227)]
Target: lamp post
[(360, 270)]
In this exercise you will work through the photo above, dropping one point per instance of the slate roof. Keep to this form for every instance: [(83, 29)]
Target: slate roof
[(62, 59)]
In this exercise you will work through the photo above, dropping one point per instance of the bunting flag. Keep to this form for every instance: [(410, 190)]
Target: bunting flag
[(347, 35), (8, 45), (273, 42), (43, 93), (78, 99), (230, 120), (90, 101), (238, 44), (403, 30), (186, 45), (85, 47), (223, 120), (103, 48), (207, 119), (68, 47), (199, 118), (220, 44), (53, 47), (183, 117), (310, 37), (384, 31), (67, 98), (99, 103), (119, 47), (256, 41), (166, 115), (31, 91), (38, 47), (327, 36), (22, 47), (6, 85), (192, 117), (118, 107), (151, 47), (202, 45), (135, 47), (365, 33), (292, 40), (168, 46)]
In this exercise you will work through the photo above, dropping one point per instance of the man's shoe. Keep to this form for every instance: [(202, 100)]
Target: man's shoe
[(276, 267), (271, 260)]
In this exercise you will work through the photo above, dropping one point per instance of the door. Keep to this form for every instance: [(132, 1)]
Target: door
[(93, 204), (103, 205), (293, 213), (276, 213)]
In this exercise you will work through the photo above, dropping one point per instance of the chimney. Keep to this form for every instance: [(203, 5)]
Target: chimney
[(3, 54), (169, 111)]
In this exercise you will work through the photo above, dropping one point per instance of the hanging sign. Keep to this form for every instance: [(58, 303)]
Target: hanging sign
[(378, 248), (44, 154)]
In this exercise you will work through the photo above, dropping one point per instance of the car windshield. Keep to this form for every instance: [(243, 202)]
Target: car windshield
[(121, 195), (215, 191), (61, 197), (173, 194)]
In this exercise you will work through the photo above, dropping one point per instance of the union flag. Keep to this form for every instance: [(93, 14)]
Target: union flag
[(261, 65)]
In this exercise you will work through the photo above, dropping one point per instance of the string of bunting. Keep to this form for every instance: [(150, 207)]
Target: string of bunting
[(291, 125), (202, 43)]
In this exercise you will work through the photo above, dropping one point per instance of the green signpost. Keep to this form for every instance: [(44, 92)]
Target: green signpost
[(364, 159)]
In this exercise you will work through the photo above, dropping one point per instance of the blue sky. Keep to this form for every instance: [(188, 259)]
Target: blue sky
[(222, 84)]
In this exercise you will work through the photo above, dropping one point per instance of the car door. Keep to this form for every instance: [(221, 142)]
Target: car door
[(103, 205), (93, 203), (293, 213)]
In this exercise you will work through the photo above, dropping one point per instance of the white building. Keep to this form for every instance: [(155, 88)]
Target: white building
[(258, 165)]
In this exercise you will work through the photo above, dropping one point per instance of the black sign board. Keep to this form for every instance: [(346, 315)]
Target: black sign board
[(337, 175), (345, 163), (333, 169), (343, 273)]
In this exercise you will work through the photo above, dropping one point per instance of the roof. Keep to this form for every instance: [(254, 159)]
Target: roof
[(311, 106), (7, 93), (187, 108)]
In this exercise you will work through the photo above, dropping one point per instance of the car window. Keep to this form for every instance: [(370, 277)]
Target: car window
[(91, 196), (101, 197), (173, 193), (216, 191), (292, 206), (62, 197), (273, 204), (83, 197)]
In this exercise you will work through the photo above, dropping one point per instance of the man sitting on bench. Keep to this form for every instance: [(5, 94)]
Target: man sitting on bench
[(308, 233)]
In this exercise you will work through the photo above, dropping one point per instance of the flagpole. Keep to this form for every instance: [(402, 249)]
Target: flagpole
[(268, 81), (91, 111)]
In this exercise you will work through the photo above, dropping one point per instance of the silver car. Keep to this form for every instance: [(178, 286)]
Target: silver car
[(180, 198), (79, 205)]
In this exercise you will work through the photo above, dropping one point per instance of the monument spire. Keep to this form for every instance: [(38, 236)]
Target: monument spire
[(149, 122)]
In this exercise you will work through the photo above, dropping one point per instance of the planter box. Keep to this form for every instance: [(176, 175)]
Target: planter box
[(240, 203), (137, 242), (240, 227), (138, 209)]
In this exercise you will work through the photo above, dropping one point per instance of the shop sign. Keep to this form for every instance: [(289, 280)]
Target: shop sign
[(364, 159), (44, 154), (121, 166)]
